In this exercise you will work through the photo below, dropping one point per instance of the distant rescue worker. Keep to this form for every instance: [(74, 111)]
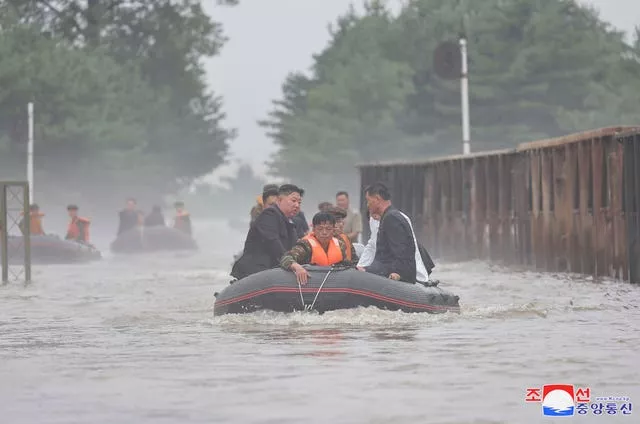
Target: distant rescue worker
[(339, 215), (353, 221), (324, 206), (155, 218), (260, 204), (78, 229), (130, 217), (271, 235), (300, 224), (182, 220), (319, 247), (35, 221)]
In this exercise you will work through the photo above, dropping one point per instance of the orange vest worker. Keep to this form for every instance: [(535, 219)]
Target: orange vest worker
[(35, 223), (319, 257), (78, 229)]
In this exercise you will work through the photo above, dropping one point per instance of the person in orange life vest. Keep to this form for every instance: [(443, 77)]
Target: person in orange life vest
[(78, 229), (340, 214), (35, 221), (182, 220), (260, 201), (319, 247)]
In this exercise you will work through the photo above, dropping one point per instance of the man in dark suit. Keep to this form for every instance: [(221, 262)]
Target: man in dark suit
[(271, 235), (395, 256)]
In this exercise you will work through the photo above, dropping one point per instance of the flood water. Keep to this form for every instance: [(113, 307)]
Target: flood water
[(135, 341)]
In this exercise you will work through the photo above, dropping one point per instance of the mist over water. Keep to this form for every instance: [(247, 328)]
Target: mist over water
[(135, 340)]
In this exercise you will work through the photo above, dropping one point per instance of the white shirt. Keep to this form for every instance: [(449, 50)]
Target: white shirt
[(369, 253), (370, 250)]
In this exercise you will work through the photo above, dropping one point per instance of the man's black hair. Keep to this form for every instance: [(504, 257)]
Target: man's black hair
[(268, 187), (33, 207), (322, 218), (378, 189), (287, 189), (178, 204), (268, 193), (72, 207), (342, 193)]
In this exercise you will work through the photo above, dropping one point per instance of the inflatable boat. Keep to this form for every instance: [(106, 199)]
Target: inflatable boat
[(51, 249), (152, 239), (330, 289)]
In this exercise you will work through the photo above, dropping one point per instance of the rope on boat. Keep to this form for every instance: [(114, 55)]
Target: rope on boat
[(310, 307)]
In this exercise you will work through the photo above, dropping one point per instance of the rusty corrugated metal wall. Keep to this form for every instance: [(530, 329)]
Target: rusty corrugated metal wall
[(567, 205)]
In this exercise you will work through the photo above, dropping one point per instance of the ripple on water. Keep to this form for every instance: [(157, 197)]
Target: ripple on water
[(135, 340)]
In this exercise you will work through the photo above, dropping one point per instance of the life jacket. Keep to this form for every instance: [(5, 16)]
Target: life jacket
[(78, 232), (181, 222), (347, 242), (319, 257), (35, 223)]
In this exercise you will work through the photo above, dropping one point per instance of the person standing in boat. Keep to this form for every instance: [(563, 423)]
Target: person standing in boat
[(129, 217), (35, 221), (155, 218), (320, 247), (340, 214), (260, 201), (78, 229), (395, 247), (182, 220), (353, 221), (271, 234)]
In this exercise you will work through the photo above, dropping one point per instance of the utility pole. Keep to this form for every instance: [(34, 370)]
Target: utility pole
[(464, 94), (30, 152)]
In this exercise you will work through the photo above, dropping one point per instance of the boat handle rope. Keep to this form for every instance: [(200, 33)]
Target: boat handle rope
[(310, 307)]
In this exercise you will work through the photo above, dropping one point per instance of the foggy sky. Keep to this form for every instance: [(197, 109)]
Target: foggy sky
[(270, 38)]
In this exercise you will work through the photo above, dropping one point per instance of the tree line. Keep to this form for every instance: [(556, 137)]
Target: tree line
[(537, 70), (120, 96)]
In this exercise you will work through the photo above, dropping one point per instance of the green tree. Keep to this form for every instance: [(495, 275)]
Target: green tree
[(537, 70), (162, 42)]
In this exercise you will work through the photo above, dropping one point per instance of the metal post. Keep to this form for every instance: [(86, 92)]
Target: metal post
[(4, 233), (464, 93), (26, 199), (30, 152)]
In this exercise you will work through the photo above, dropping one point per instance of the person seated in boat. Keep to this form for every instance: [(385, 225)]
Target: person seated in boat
[(340, 214), (320, 247), (155, 218), (395, 255), (182, 220), (260, 203), (78, 229), (130, 217), (35, 221), (271, 235)]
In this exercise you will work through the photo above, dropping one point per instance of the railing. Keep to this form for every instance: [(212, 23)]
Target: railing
[(569, 204)]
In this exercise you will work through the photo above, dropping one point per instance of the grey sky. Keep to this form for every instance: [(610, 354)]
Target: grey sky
[(270, 38)]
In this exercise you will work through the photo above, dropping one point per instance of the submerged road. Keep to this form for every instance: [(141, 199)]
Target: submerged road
[(135, 341)]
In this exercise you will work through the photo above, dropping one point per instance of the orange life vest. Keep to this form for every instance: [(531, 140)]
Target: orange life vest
[(74, 230), (347, 242), (35, 223), (319, 257), (179, 222)]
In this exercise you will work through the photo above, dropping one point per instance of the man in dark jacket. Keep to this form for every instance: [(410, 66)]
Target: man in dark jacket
[(155, 218), (301, 225), (129, 217), (395, 248), (271, 235)]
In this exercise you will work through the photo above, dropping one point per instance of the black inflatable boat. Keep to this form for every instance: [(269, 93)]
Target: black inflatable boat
[(152, 239), (330, 289), (51, 249)]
